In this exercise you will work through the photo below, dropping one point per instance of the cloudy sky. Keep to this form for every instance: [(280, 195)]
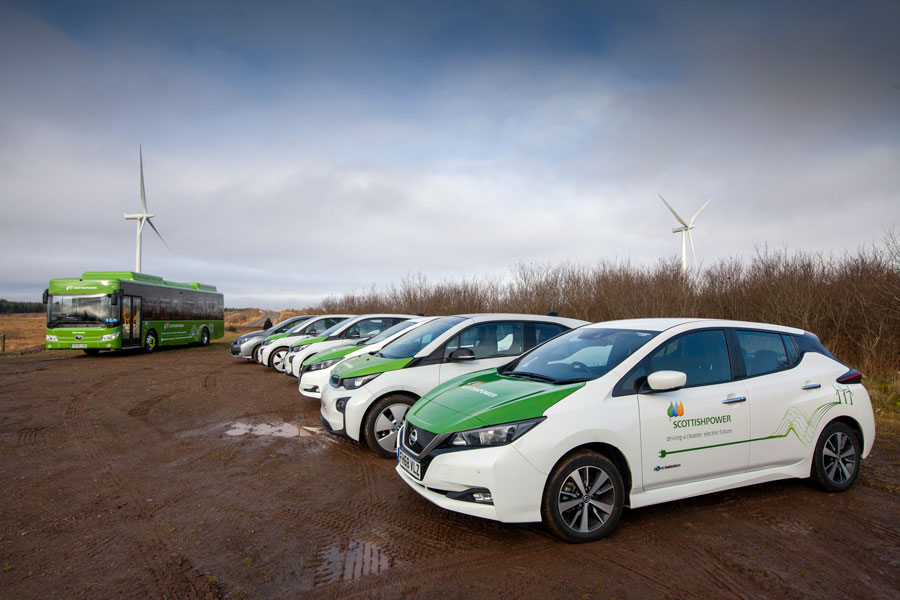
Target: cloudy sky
[(294, 150)]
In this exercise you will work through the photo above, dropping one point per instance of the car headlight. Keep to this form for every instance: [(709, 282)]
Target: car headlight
[(297, 348), (495, 435), (52, 338), (324, 364), (109, 337), (357, 382), (266, 342)]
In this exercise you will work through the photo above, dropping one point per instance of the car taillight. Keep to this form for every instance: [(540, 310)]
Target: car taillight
[(851, 376)]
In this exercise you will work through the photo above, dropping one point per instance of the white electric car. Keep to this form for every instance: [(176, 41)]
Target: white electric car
[(633, 413), (352, 330), (316, 369), (368, 395), (246, 345), (273, 350)]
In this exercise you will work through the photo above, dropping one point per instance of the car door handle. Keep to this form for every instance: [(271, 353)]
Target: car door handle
[(733, 400), (812, 386)]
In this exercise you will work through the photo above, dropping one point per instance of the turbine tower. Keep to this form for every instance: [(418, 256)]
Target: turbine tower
[(142, 218), (685, 231)]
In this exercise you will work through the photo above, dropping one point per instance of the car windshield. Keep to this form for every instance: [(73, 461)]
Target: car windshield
[(283, 326), (389, 332), (297, 326), (335, 327), (580, 355), (411, 343), (68, 311)]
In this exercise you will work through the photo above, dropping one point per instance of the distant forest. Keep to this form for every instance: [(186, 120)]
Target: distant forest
[(7, 306)]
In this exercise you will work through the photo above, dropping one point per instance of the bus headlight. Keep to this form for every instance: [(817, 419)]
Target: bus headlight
[(109, 337), (52, 338)]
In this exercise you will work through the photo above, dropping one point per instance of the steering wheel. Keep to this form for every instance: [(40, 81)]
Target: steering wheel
[(579, 366)]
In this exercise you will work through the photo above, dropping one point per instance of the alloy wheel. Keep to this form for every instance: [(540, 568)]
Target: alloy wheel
[(388, 424), (839, 457), (586, 499)]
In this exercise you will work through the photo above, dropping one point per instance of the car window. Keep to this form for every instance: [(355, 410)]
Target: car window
[(390, 331), (545, 331), (793, 356), (489, 340), (702, 356), (367, 328), (763, 352)]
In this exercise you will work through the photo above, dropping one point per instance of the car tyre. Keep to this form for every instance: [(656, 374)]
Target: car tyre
[(383, 422), (151, 341), (276, 359), (583, 498), (836, 458), (255, 354)]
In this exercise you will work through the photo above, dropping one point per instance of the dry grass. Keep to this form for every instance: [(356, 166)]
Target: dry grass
[(23, 331), (240, 317)]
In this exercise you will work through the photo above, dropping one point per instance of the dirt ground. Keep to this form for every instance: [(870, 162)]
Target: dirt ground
[(119, 479)]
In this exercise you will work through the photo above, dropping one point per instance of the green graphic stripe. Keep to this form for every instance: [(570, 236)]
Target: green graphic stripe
[(793, 420)]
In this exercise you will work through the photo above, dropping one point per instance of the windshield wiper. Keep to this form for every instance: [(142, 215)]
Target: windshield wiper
[(528, 375), (574, 380)]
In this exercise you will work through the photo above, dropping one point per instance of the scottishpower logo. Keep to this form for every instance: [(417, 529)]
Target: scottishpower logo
[(471, 387), (675, 410), (69, 288)]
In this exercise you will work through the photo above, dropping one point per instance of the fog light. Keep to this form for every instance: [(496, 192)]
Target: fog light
[(476, 495), (482, 497), (341, 404)]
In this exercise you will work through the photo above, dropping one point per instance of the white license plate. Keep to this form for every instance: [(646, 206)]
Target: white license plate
[(79, 345), (409, 464)]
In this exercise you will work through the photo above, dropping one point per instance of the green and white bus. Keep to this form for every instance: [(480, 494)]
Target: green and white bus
[(118, 310)]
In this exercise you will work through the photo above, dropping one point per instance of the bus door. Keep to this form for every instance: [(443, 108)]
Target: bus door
[(131, 320)]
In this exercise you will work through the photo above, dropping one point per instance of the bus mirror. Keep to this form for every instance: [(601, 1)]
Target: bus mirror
[(46, 296), (114, 299)]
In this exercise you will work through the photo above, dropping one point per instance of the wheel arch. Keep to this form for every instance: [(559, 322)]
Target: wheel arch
[(852, 424), (368, 411), (609, 451)]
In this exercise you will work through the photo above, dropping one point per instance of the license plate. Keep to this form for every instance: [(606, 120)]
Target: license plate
[(79, 345), (409, 464)]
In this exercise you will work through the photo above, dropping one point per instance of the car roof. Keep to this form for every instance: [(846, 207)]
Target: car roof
[(664, 324), (482, 317)]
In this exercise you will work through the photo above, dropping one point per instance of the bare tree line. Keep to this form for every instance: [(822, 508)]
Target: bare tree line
[(851, 301)]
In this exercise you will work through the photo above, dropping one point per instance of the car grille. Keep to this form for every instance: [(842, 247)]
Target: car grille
[(423, 438)]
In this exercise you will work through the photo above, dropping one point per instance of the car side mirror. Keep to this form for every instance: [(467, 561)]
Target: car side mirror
[(461, 354), (666, 381), (312, 332), (353, 335)]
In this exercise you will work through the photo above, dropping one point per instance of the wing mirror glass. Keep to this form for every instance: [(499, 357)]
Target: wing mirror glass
[(462, 354), (666, 381)]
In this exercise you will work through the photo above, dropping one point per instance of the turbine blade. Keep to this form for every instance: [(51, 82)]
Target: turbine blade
[(677, 216), (694, 218), (143, 197), (159, 234)]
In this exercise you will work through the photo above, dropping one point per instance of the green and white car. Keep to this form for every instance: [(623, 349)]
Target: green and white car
[(274, 348), (368, 395), (355, 329), (634, 413), (316, 368)]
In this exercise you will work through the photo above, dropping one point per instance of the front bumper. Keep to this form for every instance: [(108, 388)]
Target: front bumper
[(515, 485), (313, 382)]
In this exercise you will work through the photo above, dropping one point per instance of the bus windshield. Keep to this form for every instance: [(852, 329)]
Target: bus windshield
[(81, 311)]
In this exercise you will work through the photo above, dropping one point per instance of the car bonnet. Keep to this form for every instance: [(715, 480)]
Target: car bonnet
[(485, 398)]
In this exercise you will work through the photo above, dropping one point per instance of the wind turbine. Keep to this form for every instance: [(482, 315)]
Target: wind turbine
[(142, 218), (685, 231)]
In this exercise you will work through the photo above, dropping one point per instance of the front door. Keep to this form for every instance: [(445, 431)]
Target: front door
[(701, 430), (131, 321)]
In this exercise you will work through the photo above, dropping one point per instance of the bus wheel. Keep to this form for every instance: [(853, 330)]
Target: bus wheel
[(151, 341), (204, 337), (92, 351)]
